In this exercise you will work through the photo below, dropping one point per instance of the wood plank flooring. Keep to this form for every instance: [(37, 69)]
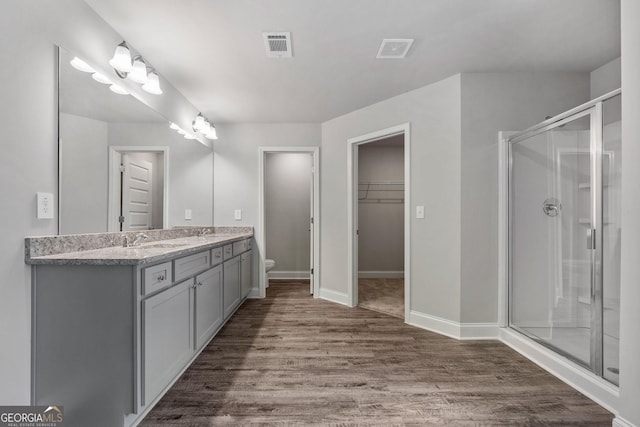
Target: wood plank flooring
[(290, 360), (383, 295)]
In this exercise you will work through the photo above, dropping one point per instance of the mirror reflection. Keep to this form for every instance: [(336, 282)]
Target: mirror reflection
[(117, 156)]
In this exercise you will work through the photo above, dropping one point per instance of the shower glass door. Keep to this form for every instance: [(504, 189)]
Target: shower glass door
[(555, 237)]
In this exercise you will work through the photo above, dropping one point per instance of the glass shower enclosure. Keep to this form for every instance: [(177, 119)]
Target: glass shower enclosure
[(564, 234)]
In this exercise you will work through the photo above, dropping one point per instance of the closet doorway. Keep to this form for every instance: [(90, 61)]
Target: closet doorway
[(289, 215), (379, 227)]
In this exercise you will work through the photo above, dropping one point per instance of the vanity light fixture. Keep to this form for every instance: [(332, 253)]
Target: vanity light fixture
[(174, 126), (135, 69), (203, 125), (80, 65)]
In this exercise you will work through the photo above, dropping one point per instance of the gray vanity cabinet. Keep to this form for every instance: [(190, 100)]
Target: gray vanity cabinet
[(167, 337), (245, 273), (231, 285), (209, 307)]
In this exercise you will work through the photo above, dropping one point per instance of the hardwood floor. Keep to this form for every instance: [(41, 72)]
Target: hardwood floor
[(383, 295), (290, 359)]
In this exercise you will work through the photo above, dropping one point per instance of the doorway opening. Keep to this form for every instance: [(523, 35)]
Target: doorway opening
[(138, 188), (288, 234), (379, 221)]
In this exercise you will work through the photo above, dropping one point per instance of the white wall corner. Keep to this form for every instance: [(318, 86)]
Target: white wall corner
[(479, 331), (434, 324), (621, 422), (334, 296)]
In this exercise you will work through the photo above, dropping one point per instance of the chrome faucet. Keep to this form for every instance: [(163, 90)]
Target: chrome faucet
[(136, 240), (203, 232)]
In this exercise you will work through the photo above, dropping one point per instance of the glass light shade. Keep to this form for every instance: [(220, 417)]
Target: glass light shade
[(212, 133), (80, 65), (199, 124), (189, 136), (139, 72), (121, 60), (101, 78), (118, 89), (152, 85), (174, 126)]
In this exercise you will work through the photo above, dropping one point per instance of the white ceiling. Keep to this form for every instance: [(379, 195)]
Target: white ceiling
[(212, 50)]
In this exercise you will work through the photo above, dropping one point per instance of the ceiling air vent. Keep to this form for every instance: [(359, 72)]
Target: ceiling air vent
[(278, 45), (394, 48)]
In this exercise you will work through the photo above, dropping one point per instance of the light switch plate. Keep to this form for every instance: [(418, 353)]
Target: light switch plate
[(237, 214), (45, 205), (420, 212), (187, 214)]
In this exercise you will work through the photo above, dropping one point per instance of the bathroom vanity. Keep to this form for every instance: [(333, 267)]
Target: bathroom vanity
[(114, 327)]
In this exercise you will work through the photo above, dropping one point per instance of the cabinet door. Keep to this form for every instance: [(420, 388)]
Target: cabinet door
[(208, 304), (245, 273), (231, 285), (168, 337)]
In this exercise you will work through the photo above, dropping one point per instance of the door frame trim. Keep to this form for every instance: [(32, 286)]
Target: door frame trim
[(352, 210), (260, 235), (115, 152)]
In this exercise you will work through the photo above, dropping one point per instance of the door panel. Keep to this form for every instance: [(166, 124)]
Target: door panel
[(136, 193)]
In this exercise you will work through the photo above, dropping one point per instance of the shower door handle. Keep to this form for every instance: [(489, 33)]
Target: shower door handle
[(591, 238)]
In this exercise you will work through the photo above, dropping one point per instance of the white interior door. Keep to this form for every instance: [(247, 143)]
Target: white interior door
[(137, 183)]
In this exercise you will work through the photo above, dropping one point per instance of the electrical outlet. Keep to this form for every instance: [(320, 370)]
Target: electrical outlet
[(237, 214), (45, 205), (187, 214)]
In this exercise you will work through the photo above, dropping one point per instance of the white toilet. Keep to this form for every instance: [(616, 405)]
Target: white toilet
[(268, 265)]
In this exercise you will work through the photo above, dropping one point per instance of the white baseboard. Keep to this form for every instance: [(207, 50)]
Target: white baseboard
[(434, 324), (334, 296), (596, 389), (254, 293), (479, 331), (381, 274), (282, 274), (618, 421), (460, 331)]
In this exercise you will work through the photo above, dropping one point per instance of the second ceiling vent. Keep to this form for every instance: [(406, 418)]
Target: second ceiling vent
[(277, 44), (394, 48)]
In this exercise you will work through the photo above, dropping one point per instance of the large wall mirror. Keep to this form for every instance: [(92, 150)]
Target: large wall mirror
[(121, 166)]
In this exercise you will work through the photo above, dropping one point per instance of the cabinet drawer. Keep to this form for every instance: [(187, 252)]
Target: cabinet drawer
[(156, 277), (239, 247), (228, 252), (190, 265), (216, 256)]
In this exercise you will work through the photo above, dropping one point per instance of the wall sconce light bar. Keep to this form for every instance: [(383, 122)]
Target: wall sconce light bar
[(135, 69)]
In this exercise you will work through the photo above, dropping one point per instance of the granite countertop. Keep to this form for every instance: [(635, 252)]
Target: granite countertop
[(144, 253)]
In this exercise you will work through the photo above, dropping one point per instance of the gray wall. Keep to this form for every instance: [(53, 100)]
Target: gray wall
[(492, 102), (380, 224), (606, 78), (630, 283), (235, 169), (30, 30), (434, 114), (287, 207)]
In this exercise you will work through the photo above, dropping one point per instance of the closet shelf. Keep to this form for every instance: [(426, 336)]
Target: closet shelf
[(381, 192)]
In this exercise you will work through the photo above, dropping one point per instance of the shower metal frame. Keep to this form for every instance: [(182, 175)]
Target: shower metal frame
[(593, 109)]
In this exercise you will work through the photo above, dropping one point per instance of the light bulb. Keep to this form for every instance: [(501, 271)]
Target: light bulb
[(80, 65), (121, 60), (212, 134)]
